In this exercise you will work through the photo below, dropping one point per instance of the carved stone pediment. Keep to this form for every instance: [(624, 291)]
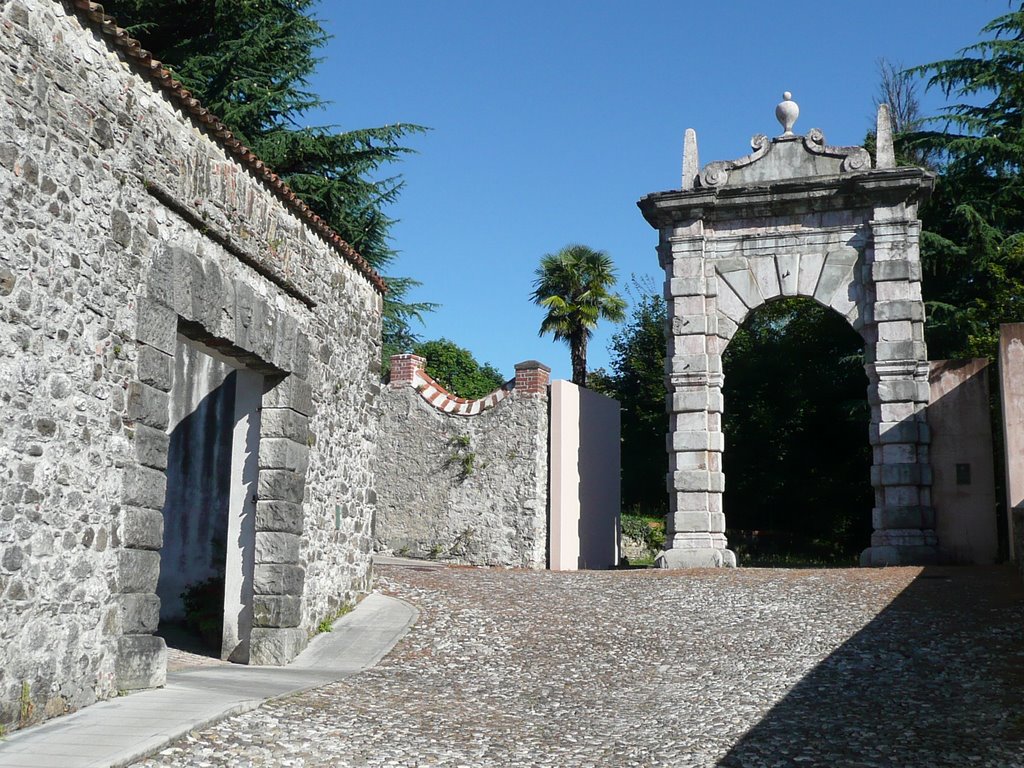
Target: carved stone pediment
[(785, 157)]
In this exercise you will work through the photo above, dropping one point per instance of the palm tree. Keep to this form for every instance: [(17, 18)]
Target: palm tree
[(574, 285)]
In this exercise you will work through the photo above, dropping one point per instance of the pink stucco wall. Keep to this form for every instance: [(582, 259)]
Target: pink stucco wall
[(585, 488)]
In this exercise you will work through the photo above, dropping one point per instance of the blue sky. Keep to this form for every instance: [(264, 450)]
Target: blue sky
[(549, 120)]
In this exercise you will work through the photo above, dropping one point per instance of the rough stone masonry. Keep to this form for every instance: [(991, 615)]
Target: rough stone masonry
[(134, 223)]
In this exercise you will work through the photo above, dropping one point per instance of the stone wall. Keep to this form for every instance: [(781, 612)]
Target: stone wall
[(130, 216), (464, 480)]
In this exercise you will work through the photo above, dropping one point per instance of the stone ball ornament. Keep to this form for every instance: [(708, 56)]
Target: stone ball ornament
[(786, 112)]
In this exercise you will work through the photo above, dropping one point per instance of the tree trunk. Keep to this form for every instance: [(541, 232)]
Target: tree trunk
[(578, 353)]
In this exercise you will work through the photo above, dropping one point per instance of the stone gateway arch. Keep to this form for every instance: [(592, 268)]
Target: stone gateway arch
[(795, 218)]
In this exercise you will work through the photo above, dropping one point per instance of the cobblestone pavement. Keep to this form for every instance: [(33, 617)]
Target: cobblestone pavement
[(890, 667)]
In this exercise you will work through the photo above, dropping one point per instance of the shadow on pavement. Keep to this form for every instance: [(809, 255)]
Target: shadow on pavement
[(937, 678)]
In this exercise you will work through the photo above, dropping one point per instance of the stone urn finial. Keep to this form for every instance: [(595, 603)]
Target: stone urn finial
[(786, 112)]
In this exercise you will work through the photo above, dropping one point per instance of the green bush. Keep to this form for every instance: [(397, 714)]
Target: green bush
[(644, 528)]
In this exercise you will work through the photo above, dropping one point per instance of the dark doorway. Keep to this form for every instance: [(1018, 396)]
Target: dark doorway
[(797, 458), (208, 513)]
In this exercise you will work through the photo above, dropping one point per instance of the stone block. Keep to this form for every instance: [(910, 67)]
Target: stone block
[(293, 392), (686, 522), (151, 447), (689, 421), (744, 285), (691, 364), (691, 324), (157, 325), (275, 647), (271, 579), (689, 344), (900, 496), (766, 275), (902, 432), (140, 613), (717, 522), (285, 334), (899, 350), (155, 368), (882, 271), (279, 516), (810, 272), (148, 405), (160, 280), (281, 453), (683, 306), (142, 528), (300, 360), (898, 411), (696, 558), (284, 422), (901, 474), (788, 266), (137, 570), (143, 487), (212, 294), (276, 610), (696, 440), (904, 389), (698, 480), (281, 485), (684, 401), (836, 277), (689, 501), (727, 327), (141, 662), (898, 310), (274, 547), (687, 286), (903, 517)]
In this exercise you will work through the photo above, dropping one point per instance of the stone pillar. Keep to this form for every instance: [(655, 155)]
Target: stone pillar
[(142, 656), (403, 369), (898, 391), (695, 526), (532, 378), (279, 576)]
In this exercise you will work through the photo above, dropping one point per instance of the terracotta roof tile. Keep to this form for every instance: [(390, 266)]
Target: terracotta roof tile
[(94, 15)]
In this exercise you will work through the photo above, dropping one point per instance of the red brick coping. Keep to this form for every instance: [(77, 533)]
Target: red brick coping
[(408, 371)]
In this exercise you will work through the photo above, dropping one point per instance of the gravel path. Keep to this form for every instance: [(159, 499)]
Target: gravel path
[(747, 667)]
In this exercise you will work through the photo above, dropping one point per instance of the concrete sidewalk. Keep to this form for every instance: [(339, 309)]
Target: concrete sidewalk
[(128, 728)]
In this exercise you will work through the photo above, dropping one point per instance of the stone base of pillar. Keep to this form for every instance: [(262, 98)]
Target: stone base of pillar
[(704, 557), (901, 547)]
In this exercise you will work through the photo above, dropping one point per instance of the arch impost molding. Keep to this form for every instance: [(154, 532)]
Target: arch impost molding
[(794, 220)]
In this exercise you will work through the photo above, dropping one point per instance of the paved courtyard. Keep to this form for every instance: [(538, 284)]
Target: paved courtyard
[(889, 667)]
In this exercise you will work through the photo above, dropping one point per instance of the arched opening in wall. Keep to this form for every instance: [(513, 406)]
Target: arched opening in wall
[(207, 558), (797, 457)]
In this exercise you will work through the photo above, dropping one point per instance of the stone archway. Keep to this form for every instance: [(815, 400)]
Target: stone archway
[(796, 218)]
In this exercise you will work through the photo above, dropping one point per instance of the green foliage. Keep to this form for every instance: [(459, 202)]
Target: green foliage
[(462, 456), (249, 62), (637, 381), (26, 709), (455, 368), (575, 286), (973, 245), (795, 422), (644, 528), (327, 624)]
